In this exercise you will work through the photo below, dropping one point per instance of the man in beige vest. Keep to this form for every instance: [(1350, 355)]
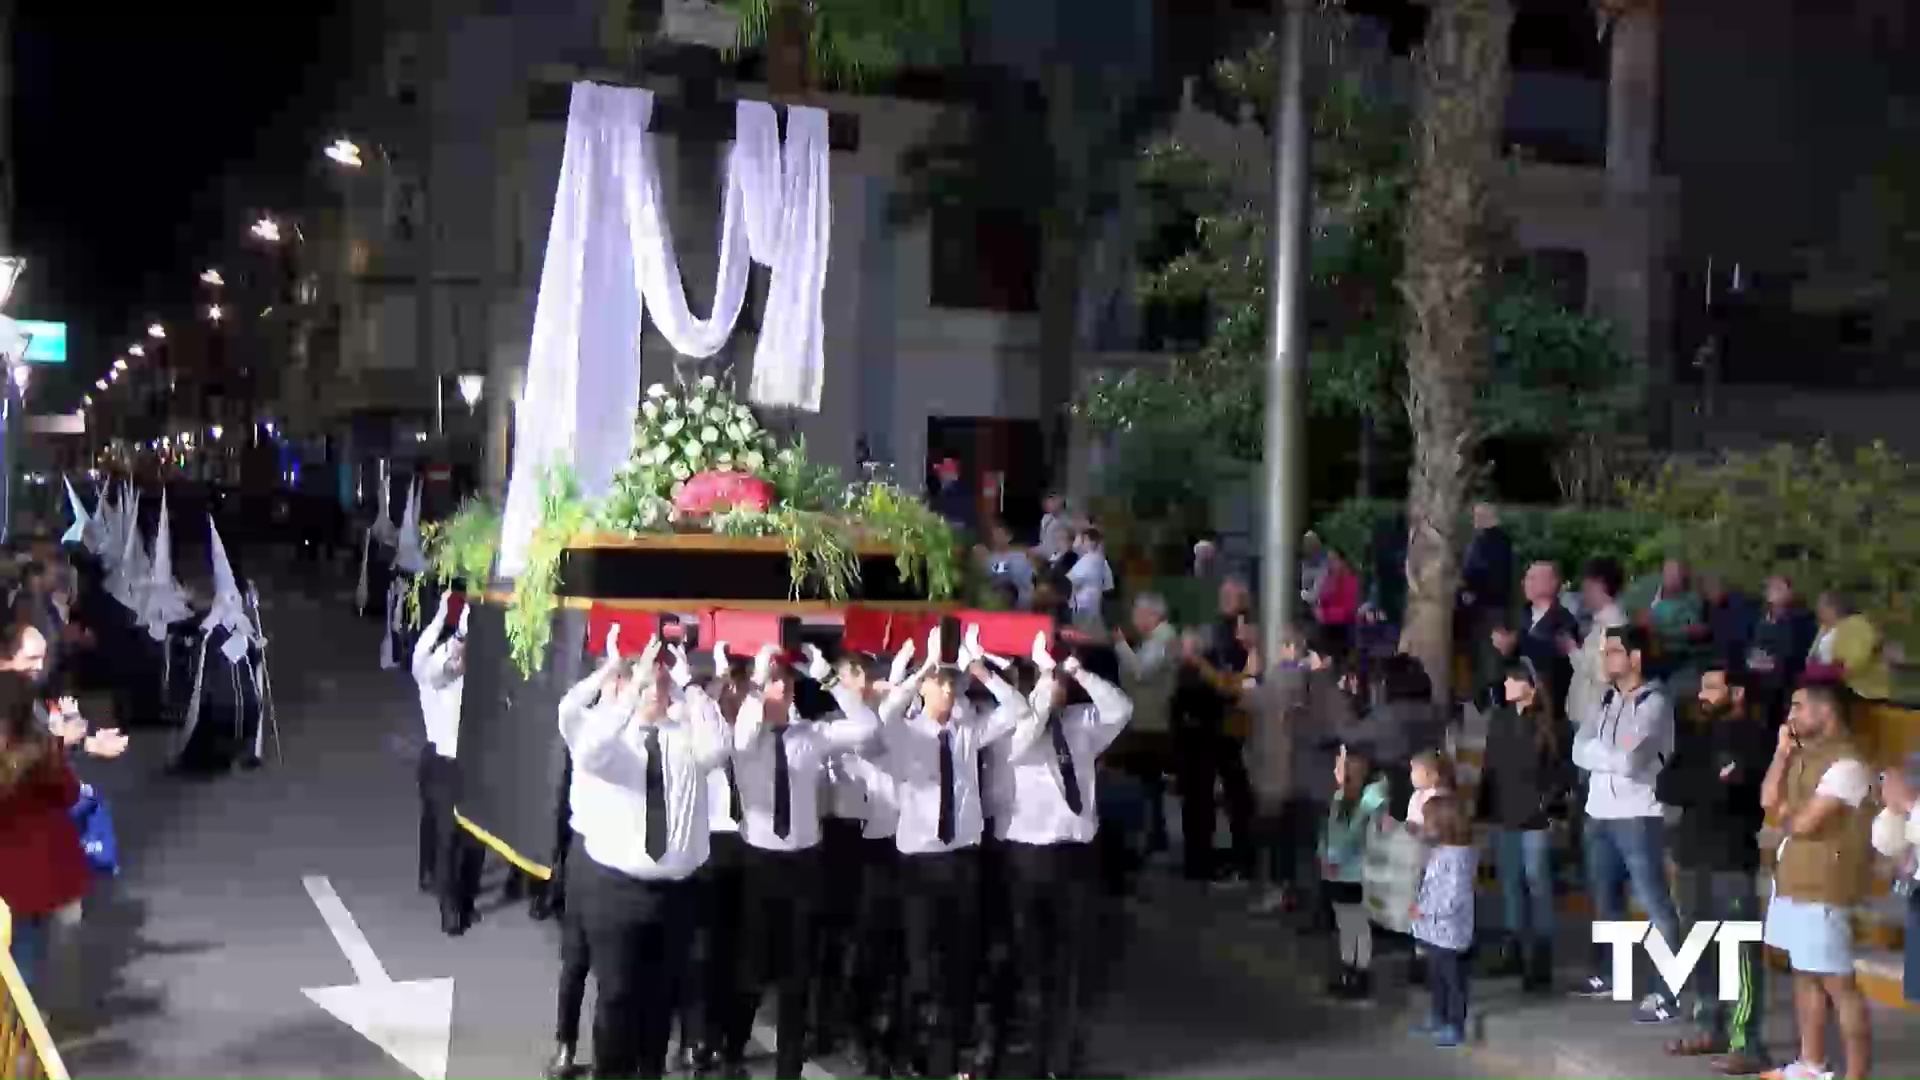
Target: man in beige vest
[(1816, 789)]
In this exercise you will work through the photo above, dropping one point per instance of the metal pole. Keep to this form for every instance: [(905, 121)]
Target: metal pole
[(1285, 497)]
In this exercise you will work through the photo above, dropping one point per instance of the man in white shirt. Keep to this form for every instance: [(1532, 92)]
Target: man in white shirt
[(1051, 817), (711, 1000), (875, 1007), (778, 761), (450, 859), (1622, 749), (933, 757), (638, 800)]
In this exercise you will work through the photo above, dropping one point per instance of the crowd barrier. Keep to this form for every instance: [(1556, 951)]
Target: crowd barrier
[(26, 1050)]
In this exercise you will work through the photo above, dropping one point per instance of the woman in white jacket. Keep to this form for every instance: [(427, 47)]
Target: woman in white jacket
[(1896, 834)]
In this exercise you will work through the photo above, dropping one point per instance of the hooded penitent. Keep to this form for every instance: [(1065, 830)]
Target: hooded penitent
[(82, 520), (225, 717), (408, 560), (162, 601)]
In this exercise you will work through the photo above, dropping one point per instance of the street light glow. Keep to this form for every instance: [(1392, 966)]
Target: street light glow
[(214, 312), (100, 385), (212, 277), (267, 229), (86, 399), (136, 350), (471, 387), (216, 431), (120, 363), (344, 152), (114, 375), (157, 332)]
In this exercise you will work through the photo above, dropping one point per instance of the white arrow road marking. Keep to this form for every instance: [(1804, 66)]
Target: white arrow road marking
[(412, 1021)]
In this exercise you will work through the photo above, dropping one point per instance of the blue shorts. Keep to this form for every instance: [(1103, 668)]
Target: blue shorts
[(1817, 938)]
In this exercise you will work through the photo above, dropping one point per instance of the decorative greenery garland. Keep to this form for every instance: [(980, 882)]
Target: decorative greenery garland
[(821, 520)]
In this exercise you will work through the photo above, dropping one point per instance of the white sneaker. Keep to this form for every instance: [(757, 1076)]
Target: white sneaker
[(1799, 1070)]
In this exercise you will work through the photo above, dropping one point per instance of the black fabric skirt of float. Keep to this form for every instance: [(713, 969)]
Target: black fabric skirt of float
[(379, 579), (223, 712), (512, 761), (132, 664)]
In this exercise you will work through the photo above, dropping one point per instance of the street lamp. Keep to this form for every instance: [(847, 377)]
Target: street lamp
[(86, 399), (157, 332), (214, 312), (120, 363), (212, 277), (136, 350), (216, 431), (100, 385), (344, 152), (267, 229), (471, 386)]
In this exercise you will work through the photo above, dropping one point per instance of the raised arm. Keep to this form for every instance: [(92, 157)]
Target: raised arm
[(1011, 710), (857, 725), (429, 637), (748, 722), (1112, 708)]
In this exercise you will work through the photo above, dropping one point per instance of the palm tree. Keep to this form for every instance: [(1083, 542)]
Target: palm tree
[(846, 43), (1461, 81)]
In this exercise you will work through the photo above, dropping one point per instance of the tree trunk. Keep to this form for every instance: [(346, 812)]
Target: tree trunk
[(1368, 441), (1462, 86)]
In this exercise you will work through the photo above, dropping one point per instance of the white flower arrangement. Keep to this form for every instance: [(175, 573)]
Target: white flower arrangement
[(682, 431)]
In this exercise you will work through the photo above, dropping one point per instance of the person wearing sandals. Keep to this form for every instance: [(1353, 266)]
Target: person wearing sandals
[(1714, 778)]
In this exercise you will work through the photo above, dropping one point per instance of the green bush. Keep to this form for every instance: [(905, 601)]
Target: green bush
[(1566, 536)]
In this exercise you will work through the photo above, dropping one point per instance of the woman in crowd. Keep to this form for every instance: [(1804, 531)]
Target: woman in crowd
[(1849, 641), (42, 867), (1524, 780)]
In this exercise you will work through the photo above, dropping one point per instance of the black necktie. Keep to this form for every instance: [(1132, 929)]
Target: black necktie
[(946, 786), (656, 798), (1069, 779), (733, 794), (782, 786)]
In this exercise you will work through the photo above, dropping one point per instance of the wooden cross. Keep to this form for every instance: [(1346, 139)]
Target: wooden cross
[(699, 116)]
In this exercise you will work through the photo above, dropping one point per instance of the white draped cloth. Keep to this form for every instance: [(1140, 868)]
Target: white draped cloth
[(610, 258)]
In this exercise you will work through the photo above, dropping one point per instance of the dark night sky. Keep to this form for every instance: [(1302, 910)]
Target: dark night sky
[(126, 119)]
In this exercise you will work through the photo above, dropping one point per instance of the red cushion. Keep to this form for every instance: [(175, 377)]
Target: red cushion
[(636, 627), (1008, 633)]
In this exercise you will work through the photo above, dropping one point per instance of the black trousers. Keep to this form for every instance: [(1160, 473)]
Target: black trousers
[(575, 963), (1447, 977), (714, 978), (1204, 754), (941, 893), (450, 859), (832, 966), (777, 924), (876, 1009), (1051, 888), (637, 933)]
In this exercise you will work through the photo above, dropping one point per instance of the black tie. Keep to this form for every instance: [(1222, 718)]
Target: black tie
[(946, 786), (782, 786), (733, 794), (656, 798), (1069, 779)]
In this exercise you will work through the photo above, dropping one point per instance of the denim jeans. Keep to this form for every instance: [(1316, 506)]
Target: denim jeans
[(1526, 875), (29, 948), (1622, 852)]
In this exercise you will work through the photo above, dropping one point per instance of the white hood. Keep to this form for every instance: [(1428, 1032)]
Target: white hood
[(383, 530), (408, 558), (110, 537), (130, 566), (229, 606), (162, 601), (81, 519)]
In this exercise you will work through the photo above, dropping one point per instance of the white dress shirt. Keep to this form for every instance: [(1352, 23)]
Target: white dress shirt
[(1027, 767), (843, 795), (881, 819), (807, 745), (608, 796), (439, 696), (913, 758), (720, 802)]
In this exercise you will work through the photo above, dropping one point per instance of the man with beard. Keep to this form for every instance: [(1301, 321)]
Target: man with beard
[(1714, 778)]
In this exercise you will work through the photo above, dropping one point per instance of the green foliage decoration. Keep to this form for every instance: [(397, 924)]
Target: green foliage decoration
[(1848, 521), (463, 546), (529, 619)]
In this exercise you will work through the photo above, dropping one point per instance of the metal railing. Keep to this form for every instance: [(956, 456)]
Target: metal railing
[(26, 1050)]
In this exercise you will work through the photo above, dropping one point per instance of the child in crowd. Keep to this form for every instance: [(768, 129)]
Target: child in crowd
[(1443, 918), (1432, 774), (1359, 800)]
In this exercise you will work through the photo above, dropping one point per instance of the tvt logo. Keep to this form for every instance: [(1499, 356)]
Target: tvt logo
[(1675, 968)]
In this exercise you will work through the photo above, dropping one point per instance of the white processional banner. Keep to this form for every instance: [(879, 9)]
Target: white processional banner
[(610, 259)]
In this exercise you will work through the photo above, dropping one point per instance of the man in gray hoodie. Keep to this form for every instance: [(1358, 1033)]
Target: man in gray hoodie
[(1622, 747)]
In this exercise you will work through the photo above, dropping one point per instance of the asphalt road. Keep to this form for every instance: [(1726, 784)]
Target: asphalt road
[(195, 963)]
